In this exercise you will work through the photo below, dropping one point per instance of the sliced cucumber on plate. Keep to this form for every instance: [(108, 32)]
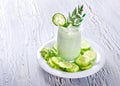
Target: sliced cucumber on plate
[(84, 61)]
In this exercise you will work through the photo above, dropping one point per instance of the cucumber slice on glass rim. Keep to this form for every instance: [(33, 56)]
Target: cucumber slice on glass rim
[(59, 19)]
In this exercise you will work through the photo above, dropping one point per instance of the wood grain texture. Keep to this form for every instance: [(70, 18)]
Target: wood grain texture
[(26, 24)]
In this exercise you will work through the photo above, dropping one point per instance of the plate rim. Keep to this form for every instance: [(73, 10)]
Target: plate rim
[(43, 64)]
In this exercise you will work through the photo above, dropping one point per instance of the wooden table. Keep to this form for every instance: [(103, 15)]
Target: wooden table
[(26, 24)]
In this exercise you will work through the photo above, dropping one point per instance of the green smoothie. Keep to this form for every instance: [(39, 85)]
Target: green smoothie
[(68, 43)]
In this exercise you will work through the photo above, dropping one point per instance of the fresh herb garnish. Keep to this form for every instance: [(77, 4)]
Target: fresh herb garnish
[(76, 17)]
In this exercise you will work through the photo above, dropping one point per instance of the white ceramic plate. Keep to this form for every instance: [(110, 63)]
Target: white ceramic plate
[(98, 64)]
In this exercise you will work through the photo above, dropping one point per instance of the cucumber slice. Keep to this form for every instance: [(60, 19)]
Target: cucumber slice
[(69, 67), (56, 60), (86, 67), (54, 52), (54, 49), (45, 53), (85, 45), (59, 19), (65, 65), (91, 55), (50, 63), (75, 68), (82, 61)]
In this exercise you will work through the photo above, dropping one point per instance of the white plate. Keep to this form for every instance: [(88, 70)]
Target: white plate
[(98, 64)]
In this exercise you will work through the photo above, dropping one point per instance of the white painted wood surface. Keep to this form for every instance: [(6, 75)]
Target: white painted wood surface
[(26, 24)]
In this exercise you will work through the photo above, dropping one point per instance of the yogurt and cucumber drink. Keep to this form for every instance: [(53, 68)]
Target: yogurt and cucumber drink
[(68, 43), (71, 53), (69, 35)]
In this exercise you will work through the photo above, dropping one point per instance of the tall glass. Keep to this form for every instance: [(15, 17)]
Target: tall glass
[(68, 43)]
